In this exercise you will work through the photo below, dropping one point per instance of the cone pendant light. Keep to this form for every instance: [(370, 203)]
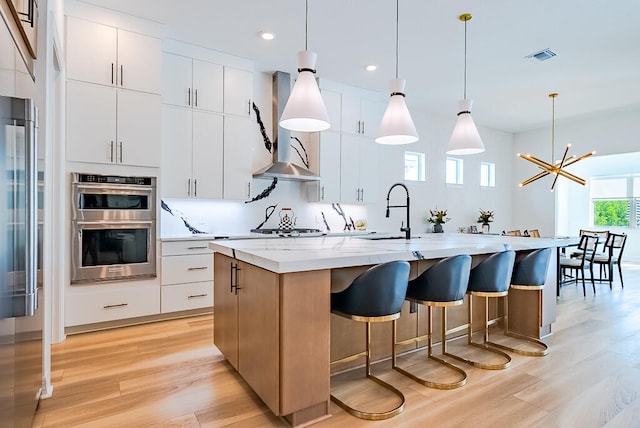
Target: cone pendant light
[(397, 125), (305, 110), (465, 139)]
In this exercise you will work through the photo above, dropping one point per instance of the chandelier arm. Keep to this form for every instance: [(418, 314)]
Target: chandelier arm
[(572, 161), (571, 177), (564, 157), (568, 161), (534, 178), (539, 162), (553, 185)]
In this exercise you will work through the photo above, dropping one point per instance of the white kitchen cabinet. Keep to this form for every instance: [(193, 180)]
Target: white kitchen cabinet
[(106, 55), (360, 116), (238, 91), (114, 126), (239, 133), (358, 169), (187, 276), (332, 101), (190, 82), (90, 304), (192, 154), (328, 188)]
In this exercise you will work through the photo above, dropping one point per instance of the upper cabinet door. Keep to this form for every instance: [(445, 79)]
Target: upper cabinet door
[(91, 52), (176, 152), (351, 122), (176, 80), (371, 112), (139, 130), (105, 55), (91, 123), (207, 87), (207, 165), (139, 62), (332, 103), (238, 91)]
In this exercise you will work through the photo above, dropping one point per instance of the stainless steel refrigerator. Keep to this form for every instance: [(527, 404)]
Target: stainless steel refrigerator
[(20, 315)]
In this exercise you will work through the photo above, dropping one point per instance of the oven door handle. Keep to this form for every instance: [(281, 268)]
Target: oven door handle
[(116, 223), (119, 188)]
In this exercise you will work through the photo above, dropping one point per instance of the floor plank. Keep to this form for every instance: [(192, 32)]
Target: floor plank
[(169, 374)]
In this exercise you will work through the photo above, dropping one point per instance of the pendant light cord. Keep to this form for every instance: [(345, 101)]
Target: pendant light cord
[(397, 32), (465, 59), (306, 23), (553, 125)]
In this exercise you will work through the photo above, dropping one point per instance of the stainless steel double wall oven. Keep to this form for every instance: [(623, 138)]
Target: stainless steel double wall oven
[(113, 228)]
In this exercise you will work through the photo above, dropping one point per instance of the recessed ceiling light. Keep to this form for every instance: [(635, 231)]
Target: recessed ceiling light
[(267, 36), (371, 67)]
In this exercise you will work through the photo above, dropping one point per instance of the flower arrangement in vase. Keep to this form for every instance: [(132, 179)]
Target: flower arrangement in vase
[(485, 218), (438, 218)]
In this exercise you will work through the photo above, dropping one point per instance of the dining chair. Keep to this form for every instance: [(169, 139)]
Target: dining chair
[(513, 233), (533, 233), (613, 248), (587, 246), (602, 239)]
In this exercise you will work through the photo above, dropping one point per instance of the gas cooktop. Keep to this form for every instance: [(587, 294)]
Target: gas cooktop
[(286, 232)]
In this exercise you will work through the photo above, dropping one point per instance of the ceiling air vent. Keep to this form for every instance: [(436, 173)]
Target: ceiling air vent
[(542, 55)]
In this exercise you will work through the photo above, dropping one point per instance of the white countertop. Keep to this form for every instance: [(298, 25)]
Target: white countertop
[(295, 254)]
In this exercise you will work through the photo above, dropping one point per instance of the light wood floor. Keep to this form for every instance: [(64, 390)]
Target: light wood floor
[(169, 374)]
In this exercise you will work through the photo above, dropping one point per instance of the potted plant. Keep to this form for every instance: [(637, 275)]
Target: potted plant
[(485, 218), (438, 218)]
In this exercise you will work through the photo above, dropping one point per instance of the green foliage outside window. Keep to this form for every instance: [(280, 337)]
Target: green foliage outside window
[(611, 213)]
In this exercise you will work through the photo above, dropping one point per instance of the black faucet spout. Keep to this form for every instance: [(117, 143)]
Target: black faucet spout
[(407, 229)]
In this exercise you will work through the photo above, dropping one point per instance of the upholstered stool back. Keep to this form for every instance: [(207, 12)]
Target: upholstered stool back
[(445, 281), (493, 274), (532, 269), (379, 291)]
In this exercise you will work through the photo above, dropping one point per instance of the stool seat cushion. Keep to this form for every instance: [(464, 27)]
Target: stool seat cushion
[(493, 274), (378, 291), (445, 281), (532, 268)]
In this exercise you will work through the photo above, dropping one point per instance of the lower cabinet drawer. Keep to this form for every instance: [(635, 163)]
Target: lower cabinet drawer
[(182, 297), (109, 303), (191, 268)]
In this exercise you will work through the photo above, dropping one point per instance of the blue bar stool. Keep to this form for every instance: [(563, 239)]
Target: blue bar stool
[(443, 284), (529, 273), (490, 278), (376, 295)]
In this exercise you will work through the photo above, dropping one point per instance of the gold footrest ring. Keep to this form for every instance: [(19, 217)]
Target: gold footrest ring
[(437, 385), (373, 416), (541, 353), (485, 366)]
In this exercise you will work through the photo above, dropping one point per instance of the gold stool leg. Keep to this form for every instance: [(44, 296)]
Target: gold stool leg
[(425, 382), (540, 353), (483, 345), (373, 416)]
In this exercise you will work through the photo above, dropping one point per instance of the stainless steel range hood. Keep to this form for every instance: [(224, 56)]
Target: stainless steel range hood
[(282, 168)]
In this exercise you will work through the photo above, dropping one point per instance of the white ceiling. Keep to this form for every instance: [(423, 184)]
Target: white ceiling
[(597, 41)]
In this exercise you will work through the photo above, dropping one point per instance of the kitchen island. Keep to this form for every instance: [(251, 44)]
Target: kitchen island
[(272, 318)]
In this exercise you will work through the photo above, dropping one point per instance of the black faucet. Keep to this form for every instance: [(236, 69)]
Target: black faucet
[(407, 229)]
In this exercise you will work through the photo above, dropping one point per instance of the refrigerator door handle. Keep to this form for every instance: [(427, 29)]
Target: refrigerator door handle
[(31, 244)]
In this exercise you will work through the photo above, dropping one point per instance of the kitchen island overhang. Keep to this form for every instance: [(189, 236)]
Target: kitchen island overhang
[(272, 318)]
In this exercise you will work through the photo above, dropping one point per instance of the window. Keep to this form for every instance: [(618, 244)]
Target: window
[(454, 171), (414, 168), (616, 201), (487, 174)]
